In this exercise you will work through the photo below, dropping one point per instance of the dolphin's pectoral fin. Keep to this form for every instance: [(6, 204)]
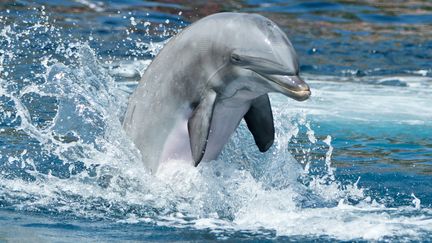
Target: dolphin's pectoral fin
[(259, 120), (199, 126)]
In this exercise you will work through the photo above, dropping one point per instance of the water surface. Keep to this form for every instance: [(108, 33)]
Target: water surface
[(354, 162)]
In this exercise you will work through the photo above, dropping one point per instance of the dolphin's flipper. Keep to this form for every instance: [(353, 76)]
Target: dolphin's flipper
[(199, 126), (259, 120)]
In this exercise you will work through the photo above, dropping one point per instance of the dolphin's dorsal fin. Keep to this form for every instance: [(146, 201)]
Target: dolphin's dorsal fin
[(199, 126), (259, 120)]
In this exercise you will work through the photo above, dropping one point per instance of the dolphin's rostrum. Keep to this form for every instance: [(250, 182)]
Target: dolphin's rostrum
[(204, 81)]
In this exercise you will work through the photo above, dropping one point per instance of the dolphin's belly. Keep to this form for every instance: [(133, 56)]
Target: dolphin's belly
[(177, 144)]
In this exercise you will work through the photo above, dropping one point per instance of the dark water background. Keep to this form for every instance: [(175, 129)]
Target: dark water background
[(369, 66)]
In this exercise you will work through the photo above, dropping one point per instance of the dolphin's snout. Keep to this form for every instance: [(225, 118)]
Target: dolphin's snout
[(302, 95), (298, 84), (292, 86)]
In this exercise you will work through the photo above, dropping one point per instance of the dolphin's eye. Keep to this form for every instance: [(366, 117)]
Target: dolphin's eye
[(235, 58)]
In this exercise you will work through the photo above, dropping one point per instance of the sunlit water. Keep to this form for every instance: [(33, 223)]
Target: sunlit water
[(352, 163)]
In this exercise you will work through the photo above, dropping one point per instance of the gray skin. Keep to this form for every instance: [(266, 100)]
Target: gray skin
[(204, 81)]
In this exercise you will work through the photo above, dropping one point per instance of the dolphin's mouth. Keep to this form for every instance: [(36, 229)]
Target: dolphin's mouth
[(291, 86)]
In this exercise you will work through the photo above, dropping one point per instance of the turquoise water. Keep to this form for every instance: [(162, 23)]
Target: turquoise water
[(354, 162)]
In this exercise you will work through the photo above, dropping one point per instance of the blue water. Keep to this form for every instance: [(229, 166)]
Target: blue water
[(354, 162)]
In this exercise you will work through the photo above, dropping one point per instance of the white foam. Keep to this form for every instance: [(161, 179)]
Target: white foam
[(367, 102)]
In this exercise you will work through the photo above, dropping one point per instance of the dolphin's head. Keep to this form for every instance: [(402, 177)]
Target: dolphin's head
[(263, 54)]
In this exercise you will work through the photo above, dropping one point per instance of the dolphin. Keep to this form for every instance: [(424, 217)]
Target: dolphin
[(204, 81)]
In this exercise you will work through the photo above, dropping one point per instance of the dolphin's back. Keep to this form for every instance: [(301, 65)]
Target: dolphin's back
[(171, 85)]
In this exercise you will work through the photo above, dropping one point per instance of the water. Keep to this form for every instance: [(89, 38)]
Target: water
[(352, 163)]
